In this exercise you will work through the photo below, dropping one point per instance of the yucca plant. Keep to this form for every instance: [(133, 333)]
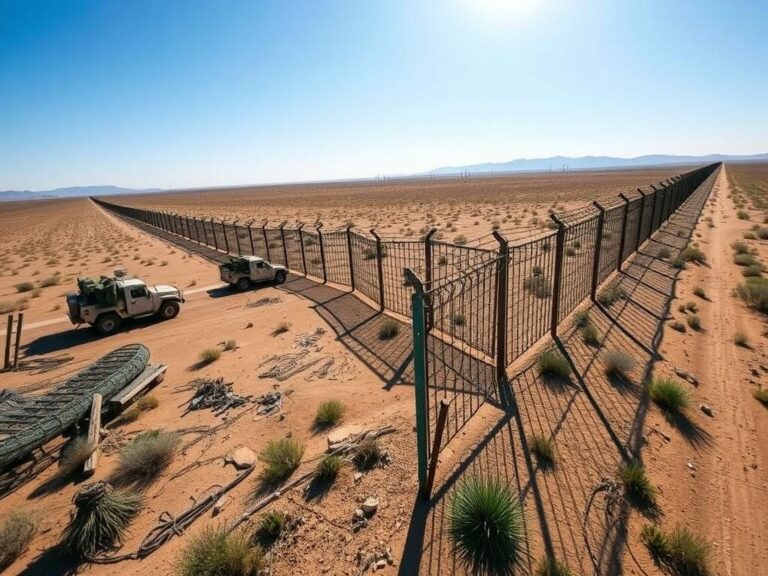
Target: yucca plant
[(146, 456), (487, 527), (669, 394), (101, 517), (16, 534), (215, 552), (281, 458), (329, 413), (552, 363), (637, 486)]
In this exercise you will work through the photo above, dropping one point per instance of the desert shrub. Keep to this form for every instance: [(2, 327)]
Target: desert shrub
[(678, 263), (442, 261), (143, 404), (389, 329), (581, 318), (544, 450), (694, 322), (369, 254), (742, 215), (50, 281), (210, 355), (761, 395), (611, 295), (16, 534), (215, 552), (693, 254), (681, 551), (458, 319), (637, 485), (367, 454), (552, 363), (281, 458), (669, 394), (538, 286), (699, 291), (552, 567), (749, 236), (618, 363), (281, 328), (146, 456), (460, 240), (230, 345), (328, 468), (740, 248), (590, 335), (691, 306), (487, 526), (744, 260), (741, 339), (101, 518), (24, 287), (271, 524), (577, 244), (570, 251), (752, 271), (754, 293), (664, 253), (74, 455), (329, 413), (762, 233)]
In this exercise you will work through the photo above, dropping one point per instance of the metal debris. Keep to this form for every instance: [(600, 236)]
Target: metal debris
[(309, 340), (263, 302), (215, 394)]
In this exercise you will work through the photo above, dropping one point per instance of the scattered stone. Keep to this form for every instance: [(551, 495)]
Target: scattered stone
[(380, 564), (220, 504), (707, 410), (242, 457), (687, 376), (370, 506), (358, 476)]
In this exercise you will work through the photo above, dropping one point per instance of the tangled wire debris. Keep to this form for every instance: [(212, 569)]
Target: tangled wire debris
[(309, 340), (216, 395), (263, 302)]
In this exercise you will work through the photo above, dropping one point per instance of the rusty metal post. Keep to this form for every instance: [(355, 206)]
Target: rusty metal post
[(19, 325), (428, 257), (213, 229), (349, 256), (442, 417), (322, 250), (558, 280), (640, 219), (237, 238), (301, 245), (623, 239), (266, 241), (8, 332), (598, 247), (226, 240), (502, 302), (250, 238), (379, 267), (282, 239)]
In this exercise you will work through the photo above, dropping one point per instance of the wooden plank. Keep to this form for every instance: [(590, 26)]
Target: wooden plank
[(94, 430), (150, 374)]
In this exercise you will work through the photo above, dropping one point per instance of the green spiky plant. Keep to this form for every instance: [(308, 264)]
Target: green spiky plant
[(681, 551), (637, 486), (669, 394), (281, 458), (215, 552), (328, 468), (487, 526), (271, 524), (101, 518)]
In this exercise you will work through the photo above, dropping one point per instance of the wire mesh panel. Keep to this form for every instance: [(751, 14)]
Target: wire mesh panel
[(531, 270), (259, 246), (469, 315), (449, 259), (658, 212), (645, 223), (337, 257), (231, 237), (293, 249), (609, 246), (245, 240), (399, 255), (633, 223), (275, 244), (455, 370), (365, 267), (312, 253), (580, 237)]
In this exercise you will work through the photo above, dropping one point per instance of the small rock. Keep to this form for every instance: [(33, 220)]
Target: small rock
[(707, 410), (358, 476), (242, 458), (381, 564), (370, 506), (220, 504), (687, 376), (359, 514)]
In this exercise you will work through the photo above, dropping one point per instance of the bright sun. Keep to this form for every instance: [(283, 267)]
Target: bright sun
[(513, 9)]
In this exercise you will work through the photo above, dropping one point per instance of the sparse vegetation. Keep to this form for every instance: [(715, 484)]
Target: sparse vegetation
[(74, 455), (669, 394), (637, 486), (664, 253), (230, 345), (16, 533), (761, 395), (389, 329), (611, 295), (552, 567), (699, 291), (271, 524), (741, 339), (367, 454), (538, 285), (143, 404), (281, 328), (146, 456), (693, 254), (281, 458), (329, 413), (590, 335), (24, 287), (680, 551), (499, 545), (215, 552), (552, 363), (618, 363), (209, 355), (581, 318), (328, 468), (694, 322), (458, 319), (754, 293), (544, 450)]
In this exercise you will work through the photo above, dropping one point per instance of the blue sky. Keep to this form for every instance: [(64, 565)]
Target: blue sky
[(187, 93)]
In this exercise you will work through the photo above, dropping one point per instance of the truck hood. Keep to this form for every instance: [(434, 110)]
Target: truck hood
[(165, 290)]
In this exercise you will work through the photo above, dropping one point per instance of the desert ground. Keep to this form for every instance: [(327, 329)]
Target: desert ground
[(708, 467)]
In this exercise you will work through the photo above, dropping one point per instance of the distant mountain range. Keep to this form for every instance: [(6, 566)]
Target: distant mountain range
[(558, 163), (71, 192)]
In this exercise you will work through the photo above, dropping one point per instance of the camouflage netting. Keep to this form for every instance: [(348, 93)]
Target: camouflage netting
[(239, 265), (102, 291), (28, 424)]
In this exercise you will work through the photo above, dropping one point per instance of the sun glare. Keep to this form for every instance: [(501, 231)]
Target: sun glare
[(503, 9)]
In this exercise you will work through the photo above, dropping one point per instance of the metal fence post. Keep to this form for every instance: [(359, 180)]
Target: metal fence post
[(349, 256), (213, 229), (8, 332), (205, 232), (623, 239), (189, 228), (640, 219), (652, 229), (379, 267), (502, 276), (282, 239), (428, 254), (237, 238), (226, 240), (301, 245), (557, 282), (19, 325), (266, 241), (418, 299), (322, 250), (250, 238), (598, 246)]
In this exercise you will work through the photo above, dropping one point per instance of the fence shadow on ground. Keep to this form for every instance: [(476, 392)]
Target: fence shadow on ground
[(596, 425)]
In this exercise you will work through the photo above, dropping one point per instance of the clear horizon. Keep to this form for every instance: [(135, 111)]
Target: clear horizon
[(185, 94)]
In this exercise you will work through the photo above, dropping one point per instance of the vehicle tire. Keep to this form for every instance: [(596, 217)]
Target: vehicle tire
[(280, 277), (243, 284), (107, 324), (168, 310)]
